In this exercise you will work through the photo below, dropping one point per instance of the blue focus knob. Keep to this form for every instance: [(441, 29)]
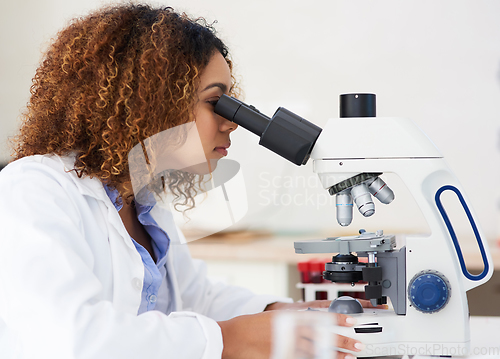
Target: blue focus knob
[(429, 291)]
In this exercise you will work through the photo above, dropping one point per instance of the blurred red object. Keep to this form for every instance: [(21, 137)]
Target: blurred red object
[(311, 271), (303, 268)]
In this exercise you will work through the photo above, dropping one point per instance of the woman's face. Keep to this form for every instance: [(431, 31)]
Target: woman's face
[(213, 129)]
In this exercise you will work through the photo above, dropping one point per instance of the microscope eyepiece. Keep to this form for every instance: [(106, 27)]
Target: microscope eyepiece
[(246, 116), (286, 134)]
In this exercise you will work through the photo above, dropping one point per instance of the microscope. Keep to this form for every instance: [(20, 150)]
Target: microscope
[(425, 277)]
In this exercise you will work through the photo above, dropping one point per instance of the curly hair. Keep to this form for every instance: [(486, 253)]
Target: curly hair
[(110, 80)]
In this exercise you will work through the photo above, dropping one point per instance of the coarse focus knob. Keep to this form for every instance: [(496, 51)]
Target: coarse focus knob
[(429, 291)]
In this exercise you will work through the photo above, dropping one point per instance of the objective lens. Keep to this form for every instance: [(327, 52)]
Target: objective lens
[(361, 196), (381, 191), (344, 208)]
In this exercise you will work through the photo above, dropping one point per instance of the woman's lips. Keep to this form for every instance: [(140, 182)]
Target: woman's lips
[(221, 150)]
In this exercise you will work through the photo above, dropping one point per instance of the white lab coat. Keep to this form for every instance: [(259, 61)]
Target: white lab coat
[(71, 278)]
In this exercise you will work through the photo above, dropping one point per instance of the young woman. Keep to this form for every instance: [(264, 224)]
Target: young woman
[(85, 270)]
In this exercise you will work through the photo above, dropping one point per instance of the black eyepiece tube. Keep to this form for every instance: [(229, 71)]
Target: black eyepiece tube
[(286, 134), (238, 112)]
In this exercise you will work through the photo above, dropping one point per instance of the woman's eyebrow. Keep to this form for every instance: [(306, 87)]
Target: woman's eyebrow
[(220, 85)]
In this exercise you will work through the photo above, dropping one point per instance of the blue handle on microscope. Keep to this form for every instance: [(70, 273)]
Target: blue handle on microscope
[(454, 236)]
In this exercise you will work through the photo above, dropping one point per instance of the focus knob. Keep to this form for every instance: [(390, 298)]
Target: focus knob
[(429, 291)]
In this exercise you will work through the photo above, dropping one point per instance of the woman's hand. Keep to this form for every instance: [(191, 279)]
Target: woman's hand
[(250, 336), (315, 304)]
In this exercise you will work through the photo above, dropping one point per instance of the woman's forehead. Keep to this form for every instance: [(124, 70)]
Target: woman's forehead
[(217, 71)]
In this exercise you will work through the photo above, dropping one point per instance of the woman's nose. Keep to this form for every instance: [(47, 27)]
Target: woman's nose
[(227, 125)]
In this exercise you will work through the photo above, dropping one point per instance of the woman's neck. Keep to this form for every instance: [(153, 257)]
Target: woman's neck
[(134, 228)]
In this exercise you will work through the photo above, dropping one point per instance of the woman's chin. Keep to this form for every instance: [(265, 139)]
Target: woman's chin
[(203, 168)]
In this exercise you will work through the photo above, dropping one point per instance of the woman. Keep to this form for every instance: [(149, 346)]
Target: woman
[(85, 270)]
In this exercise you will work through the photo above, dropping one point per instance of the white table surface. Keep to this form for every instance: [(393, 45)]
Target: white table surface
[(485, 338)]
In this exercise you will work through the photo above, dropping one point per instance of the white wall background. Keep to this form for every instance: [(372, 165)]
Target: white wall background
[(435, 62)]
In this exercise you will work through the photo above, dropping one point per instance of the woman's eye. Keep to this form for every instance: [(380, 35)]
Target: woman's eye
[(213, 102)]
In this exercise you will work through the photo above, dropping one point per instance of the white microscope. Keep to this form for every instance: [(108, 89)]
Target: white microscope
[(425, 278)]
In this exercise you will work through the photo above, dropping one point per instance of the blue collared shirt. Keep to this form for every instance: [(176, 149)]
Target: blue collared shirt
[(155, 289)]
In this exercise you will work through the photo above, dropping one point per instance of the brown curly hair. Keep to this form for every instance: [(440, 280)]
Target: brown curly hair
[(112, 79)]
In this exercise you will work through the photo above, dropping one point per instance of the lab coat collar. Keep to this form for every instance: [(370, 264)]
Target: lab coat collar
[(93, 187), (87, 185)]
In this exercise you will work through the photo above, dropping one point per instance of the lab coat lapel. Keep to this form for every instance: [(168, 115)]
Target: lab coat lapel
[(165, 220), (128, 269)]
